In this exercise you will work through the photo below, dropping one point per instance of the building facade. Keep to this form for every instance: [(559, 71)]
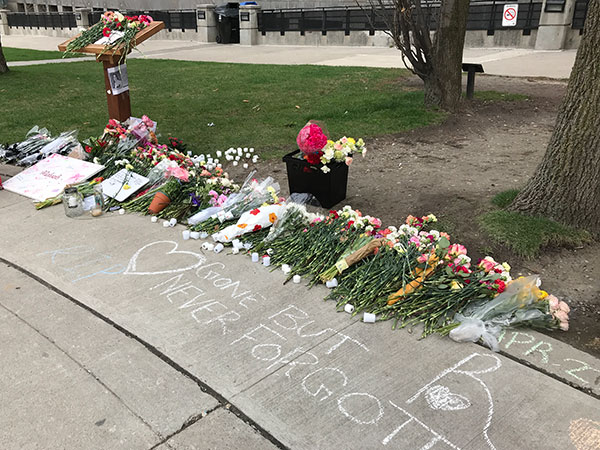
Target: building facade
[(71, 5)]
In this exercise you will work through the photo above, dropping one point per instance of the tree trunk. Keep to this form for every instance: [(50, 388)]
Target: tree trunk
[(447, 55), (3, 65), (566, 185), (437, 63)]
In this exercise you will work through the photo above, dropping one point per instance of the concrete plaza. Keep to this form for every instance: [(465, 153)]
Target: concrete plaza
[(496, 61)]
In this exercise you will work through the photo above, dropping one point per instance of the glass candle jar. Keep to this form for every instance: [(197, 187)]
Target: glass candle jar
[(98, 200), (73, 202)]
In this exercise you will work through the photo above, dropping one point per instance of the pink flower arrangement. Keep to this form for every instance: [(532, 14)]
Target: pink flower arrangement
[(456, 250), (216, 200), (560, 311), (178, 172), (311, 139)]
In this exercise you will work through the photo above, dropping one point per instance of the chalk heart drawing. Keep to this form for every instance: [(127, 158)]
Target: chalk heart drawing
[(440, 398), (158, 251), (585, 434)]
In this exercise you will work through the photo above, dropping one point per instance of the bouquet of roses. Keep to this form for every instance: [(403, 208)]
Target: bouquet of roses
[(521, 303), (318, 150), (115, 31)]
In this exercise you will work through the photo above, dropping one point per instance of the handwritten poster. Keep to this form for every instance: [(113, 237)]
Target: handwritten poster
[(122, 184), (49, 177)]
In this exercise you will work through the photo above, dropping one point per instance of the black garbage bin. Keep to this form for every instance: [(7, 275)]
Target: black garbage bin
[(228, 23)]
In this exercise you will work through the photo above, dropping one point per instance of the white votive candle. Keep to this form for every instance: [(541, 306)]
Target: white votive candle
[(369, 318), (331, 283)]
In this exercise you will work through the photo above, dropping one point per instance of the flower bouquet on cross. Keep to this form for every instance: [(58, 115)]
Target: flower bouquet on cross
[(115, 31)]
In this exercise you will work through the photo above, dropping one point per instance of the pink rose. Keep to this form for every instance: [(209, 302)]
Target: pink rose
[(348, 160), (423, 258), (553, 302), (564, 326), (561, 315), (564, 307)]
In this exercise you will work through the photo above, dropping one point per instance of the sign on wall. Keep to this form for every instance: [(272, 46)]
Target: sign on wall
[(509, 15)]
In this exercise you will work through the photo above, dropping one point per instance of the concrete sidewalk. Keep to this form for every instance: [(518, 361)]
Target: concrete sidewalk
[(496, 61), (153, 340)]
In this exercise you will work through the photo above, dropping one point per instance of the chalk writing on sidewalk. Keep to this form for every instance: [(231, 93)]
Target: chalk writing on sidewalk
[(82, 262), (271, 342), (540, 351)]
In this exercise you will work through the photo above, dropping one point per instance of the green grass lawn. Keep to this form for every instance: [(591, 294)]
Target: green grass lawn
[(261, 106), (23, 54), (527, 235)]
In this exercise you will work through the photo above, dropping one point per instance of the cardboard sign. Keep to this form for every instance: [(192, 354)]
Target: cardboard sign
[(122, 184), (509, 15), (49, 177)]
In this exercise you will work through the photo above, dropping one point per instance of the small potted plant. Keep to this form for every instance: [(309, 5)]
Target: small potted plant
[(320, 165), (169, 190)]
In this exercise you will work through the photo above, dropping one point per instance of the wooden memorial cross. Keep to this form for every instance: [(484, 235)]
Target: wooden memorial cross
[(115, 75)]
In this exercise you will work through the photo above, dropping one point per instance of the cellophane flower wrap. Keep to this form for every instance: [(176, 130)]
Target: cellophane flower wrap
[(522, 303), (38, 144), (252, 195), (250, 222), (311, 139)]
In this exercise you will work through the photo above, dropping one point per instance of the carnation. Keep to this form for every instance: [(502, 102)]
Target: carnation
[(311, 139)]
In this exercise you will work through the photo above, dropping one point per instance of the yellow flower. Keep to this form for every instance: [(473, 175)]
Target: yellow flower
[(126, 186), (542, 294), (455, 285), (128, 166), (352, 141)]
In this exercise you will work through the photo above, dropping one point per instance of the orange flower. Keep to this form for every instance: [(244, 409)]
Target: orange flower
[(272, 217), (242, 225)]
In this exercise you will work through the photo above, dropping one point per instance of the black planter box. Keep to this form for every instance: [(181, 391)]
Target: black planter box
[(328, 188)]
